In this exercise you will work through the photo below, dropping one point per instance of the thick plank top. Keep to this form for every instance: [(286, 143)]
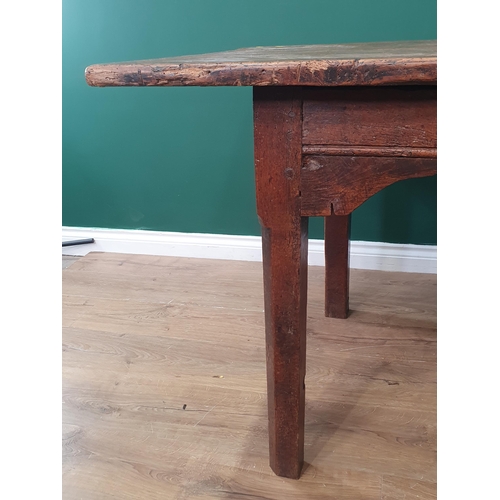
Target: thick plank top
[(383, 63)]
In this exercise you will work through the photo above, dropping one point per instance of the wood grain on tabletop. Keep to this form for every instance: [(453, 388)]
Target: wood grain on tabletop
[(381, 63), (164, 384)]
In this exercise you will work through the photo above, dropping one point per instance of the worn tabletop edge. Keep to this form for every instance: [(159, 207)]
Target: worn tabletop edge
[(206, 70)]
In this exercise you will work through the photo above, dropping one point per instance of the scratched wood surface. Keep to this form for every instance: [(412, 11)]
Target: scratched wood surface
[(164, 384), (381, 63)]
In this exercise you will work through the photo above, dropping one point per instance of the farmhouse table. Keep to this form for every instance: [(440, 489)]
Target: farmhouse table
[(333, 125)]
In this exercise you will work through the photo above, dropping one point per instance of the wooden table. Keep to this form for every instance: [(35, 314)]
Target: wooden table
[(334, 124)]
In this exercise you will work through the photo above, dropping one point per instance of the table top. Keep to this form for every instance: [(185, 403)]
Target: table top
[(381, 63)]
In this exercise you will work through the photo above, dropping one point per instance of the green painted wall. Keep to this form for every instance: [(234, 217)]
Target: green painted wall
[(180, 159)]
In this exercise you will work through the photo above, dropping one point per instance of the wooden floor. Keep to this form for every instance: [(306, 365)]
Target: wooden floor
[(164, 388)]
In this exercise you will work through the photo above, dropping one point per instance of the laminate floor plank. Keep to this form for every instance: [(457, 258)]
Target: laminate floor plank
[(164, 384)]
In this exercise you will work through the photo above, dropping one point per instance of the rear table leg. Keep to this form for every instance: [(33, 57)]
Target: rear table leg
[(337, 228)]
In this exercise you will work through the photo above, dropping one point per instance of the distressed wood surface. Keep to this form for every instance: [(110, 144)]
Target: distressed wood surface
[(365, 139), (381, 63), (277, 135), (145, 335), (340, 184), (398, 117)]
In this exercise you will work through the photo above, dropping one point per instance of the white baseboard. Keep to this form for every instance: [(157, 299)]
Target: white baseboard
[(364, 254)]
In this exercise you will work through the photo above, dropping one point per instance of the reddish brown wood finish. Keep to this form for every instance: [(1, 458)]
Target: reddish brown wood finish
[(318, 151), (381, 63), (277, 122), (387, 117), (337, 229), (340, 184)]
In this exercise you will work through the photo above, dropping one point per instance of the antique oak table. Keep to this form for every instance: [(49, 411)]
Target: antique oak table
[(333, 125)]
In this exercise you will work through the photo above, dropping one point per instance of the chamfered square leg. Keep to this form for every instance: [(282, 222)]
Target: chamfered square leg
[(278, 155), (285, 297)]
